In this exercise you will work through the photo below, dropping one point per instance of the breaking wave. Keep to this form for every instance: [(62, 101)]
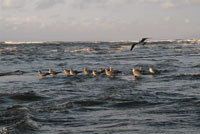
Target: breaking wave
[(193, 41), (82, 50)]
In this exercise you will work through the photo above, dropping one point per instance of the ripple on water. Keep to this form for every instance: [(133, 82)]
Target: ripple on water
[(18, 119), (26, 96)]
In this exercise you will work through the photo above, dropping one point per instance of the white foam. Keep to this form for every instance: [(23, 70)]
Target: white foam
[(96, 42), (19, 42), (83, 50)]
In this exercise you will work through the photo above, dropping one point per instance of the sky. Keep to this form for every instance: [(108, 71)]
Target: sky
[(98, 20)]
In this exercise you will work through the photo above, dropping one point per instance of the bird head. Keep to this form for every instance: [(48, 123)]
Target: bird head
[(146, 38), (50, 70), (133, 69)]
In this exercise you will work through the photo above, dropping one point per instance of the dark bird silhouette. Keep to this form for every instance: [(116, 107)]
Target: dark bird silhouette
[(142, 42)]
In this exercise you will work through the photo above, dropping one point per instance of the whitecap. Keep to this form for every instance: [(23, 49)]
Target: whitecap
[(82, 50), (21, 42)]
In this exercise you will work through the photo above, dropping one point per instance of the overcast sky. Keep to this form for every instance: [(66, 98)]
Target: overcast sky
[(98, 20)]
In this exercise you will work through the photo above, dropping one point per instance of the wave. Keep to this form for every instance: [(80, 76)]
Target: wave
[(82, 50), (63, 106), (18, 119), (121, 48), (187, 77), (26, 96), (17, 72), (19, 42), (193, 41)]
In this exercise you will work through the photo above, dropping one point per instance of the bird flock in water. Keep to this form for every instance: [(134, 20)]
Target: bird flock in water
[(108, 72)]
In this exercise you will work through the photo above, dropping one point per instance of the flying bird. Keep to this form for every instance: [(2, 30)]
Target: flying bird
[(142, 42)]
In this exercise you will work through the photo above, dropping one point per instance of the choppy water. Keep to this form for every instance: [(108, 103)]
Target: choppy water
[(168, 102)]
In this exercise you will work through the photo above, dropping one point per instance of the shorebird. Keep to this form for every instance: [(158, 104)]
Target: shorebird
[(140, 69), (114, 71), (136, 73), (108, 73), (42, 74), (111, 69), (86, 71), (67, 72), (152, 71), (73, 73), (142, 42), (53, 73), (111, 72), (95, 73)]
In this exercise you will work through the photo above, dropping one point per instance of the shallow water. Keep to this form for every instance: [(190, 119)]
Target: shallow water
[(167, 102)]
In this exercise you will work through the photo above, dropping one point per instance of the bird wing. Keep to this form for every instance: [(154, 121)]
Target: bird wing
[(133, 46), (143, 39)]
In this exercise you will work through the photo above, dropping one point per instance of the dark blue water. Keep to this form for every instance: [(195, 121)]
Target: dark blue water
[(167, 102)]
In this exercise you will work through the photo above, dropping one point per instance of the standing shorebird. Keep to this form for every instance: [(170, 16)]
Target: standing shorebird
[(136, 73), (67, 72), (109, 73), (86, 71), (114, 71), (153, 71), (95, 73), (73, 73), (111, 69), (141, 42), (42, 74), (140, 69), (53, 73)]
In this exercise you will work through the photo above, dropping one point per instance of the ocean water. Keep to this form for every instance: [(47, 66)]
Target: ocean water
[(167, 102)]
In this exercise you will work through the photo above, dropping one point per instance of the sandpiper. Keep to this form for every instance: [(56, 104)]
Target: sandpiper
[(95, 73), (42, 74), (111, 69), (140, 69), (136, 73), (73, 73), (152, 71), (67, 72), (53, 73), (86, 71), (109, 73), (114, 71)]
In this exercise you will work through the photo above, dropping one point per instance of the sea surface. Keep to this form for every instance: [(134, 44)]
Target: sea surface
[(167, 102)]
